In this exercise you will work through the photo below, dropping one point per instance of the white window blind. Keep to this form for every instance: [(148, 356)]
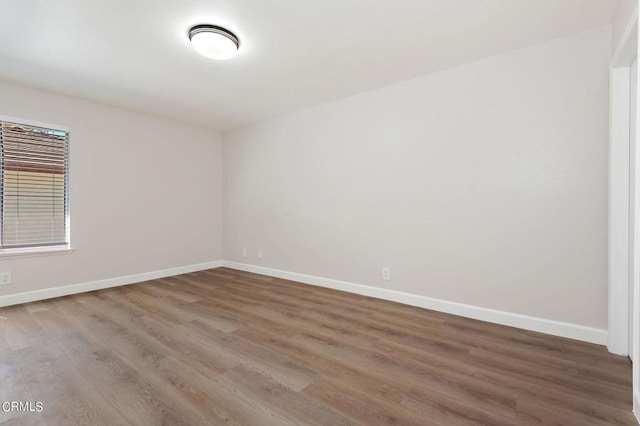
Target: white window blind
[(34, 202)]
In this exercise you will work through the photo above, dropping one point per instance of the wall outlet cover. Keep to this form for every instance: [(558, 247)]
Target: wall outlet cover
[(5, 278), (386, 274)]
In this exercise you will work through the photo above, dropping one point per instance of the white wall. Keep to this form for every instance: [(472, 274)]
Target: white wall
[(623, 15), (485, 184), (145, 192)]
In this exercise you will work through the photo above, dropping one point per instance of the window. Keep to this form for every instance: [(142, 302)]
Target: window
[(34, 186)]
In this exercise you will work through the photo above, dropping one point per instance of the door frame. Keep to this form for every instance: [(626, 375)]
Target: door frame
[(619, 208)]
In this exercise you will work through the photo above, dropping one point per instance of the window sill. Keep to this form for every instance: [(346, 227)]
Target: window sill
[(36, 252)]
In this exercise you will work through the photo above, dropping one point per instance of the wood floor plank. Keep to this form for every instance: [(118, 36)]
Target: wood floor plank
[(498, 384), (67, 397), (223, 402), (452, 412), (207, 359), (382, 387), (138, 399), (361, 406), (177, 293), (279, 367), (20, 330), (223, 346), (295, 406), (28, 419), (12, 385)]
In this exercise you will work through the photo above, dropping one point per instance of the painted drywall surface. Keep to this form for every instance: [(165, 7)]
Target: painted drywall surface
[(484, 184), (621, 19), (145, 192)]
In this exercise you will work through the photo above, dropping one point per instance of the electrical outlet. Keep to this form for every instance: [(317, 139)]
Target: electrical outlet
[(259, 253), (245, 253), (386, 273), (5, 278)]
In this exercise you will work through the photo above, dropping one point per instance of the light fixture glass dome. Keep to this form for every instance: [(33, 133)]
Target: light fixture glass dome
[(214, 42)]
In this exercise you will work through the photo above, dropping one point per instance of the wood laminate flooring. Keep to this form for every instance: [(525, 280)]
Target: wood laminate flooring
[(229, 347)]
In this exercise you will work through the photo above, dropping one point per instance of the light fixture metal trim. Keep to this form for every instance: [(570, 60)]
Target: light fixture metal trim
[(207, 28)]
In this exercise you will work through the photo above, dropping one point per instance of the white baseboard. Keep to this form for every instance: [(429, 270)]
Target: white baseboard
[(557, 328), (48, 293), (636, 405)]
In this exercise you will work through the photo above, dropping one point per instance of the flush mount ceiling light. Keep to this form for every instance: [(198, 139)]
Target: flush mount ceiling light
[(214, 42)]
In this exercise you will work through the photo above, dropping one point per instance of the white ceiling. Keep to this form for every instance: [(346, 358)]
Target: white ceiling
[(294, 53)]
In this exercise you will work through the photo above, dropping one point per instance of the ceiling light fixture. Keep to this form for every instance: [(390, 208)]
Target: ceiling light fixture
[(214, 42)]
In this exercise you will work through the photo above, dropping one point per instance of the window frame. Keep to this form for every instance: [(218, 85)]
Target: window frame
[(43, 250)]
